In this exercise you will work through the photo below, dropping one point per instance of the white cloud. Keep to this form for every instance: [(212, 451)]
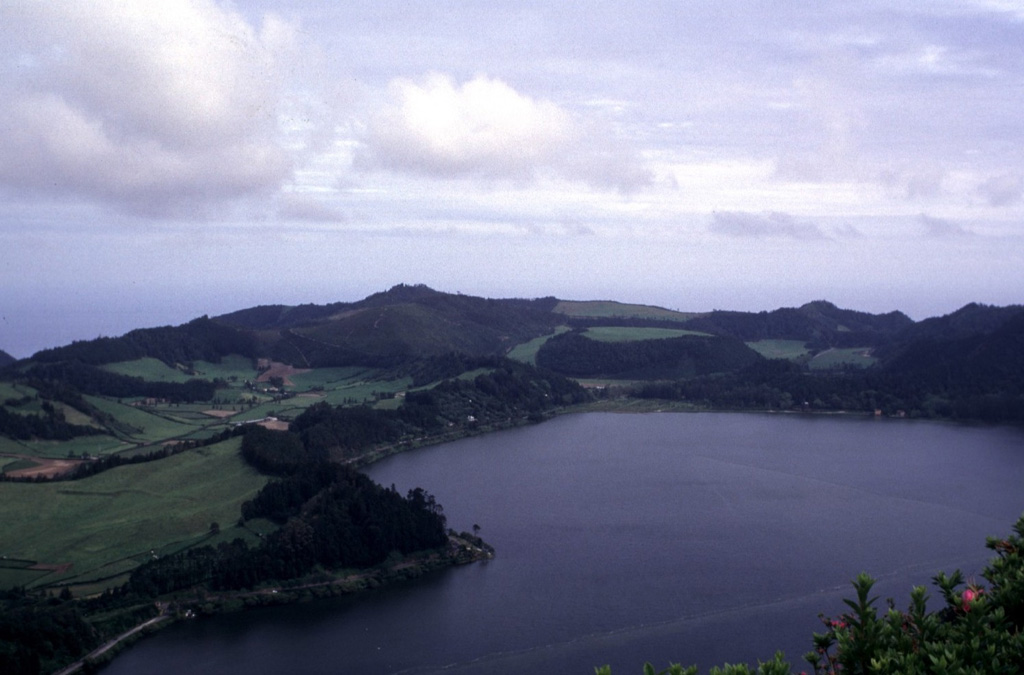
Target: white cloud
[(485, 128), (140, 105)]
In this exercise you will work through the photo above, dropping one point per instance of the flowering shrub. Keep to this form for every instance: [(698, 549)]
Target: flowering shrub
[(978, 631)]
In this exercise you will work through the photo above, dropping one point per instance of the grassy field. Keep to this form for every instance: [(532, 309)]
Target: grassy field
[(608, 309), (332, 378), (363, 390), (89, 445), (149, 369), (109, 524), (150, 427), (780, 349), (11, 390), (154, 370), (526, 352), (230, 367), (859, 357), (629, 334)]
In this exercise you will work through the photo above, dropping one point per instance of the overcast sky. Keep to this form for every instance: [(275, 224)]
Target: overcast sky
[(160, 161)]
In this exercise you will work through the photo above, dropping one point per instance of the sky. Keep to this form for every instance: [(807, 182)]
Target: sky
[(163, 161)]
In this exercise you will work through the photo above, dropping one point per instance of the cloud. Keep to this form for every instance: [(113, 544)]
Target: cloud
[(302, 207), (940, 228), (1002, 190), (762, 226), (486, 129), (139, 105)]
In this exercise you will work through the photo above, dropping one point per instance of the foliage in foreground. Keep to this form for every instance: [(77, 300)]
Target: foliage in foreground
[(977, 631)]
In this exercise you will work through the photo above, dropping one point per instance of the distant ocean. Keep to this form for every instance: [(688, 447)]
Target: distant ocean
[(29, 323)]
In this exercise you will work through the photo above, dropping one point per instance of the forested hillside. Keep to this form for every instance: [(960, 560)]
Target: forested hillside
[(683, 357)]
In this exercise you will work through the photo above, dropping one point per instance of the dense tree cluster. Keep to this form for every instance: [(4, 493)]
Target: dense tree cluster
[(49, 425), (330, 515), (780, 384), (275, 453), (36, 636), (89, 379), (200, 339), (819, 323), (510, 391), (576, 355)]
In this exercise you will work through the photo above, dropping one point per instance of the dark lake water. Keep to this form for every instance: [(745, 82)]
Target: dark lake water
[(694, 538)]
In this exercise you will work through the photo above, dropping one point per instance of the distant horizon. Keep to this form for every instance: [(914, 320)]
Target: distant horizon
[(163, 161), (62, 320)]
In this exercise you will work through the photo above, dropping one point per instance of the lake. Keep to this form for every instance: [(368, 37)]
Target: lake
[(694, 538)]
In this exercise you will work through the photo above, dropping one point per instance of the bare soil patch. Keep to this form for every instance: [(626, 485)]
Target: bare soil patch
[(220, 413), (282, 370), (274, 425)]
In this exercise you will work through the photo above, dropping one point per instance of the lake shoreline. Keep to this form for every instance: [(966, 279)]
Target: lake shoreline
[(462, 549)]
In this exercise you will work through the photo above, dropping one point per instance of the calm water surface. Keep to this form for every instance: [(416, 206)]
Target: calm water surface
[(699, 538)]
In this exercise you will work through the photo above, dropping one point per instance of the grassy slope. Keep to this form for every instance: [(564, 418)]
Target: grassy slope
[(526, 352), (607, 309), (835, 358), (108, 523), (779, 349), (628, 334)]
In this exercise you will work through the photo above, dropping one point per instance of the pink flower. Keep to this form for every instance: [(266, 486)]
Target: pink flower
[(969, 596)]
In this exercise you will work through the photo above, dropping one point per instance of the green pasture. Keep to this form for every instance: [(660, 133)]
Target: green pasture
[(233, 366), (14, 464), (150, 426), (101, 444), (604, 309), (9, 445), (789, 350), (11, 390), (330, 378), (153, 370), (526, 352), (109, 523), (859, 357), (74, 415), (363, 390), (630, 333)]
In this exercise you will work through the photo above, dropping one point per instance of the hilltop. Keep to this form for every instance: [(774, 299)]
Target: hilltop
[(426, 335)]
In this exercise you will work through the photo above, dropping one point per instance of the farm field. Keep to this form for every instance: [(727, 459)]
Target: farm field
[(103, 526), (604, 309), (780, 349), (858, 357), (230, 368), (147, 427), (526, 352), (629, 334)]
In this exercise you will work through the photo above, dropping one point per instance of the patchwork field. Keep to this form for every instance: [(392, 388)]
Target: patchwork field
[(93, 529)]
